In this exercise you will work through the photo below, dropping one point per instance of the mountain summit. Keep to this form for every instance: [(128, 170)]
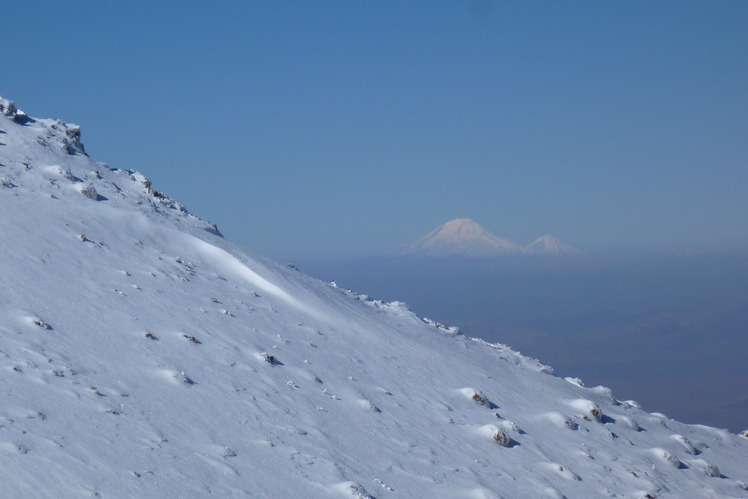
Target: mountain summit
[(550, 246), (462, 236), (143, 355)]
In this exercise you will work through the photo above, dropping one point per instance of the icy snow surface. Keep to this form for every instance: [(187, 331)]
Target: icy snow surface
[(142, 355)]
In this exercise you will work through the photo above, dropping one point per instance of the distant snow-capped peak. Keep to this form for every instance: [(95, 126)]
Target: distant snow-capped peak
[(550, 246), (462, 236), (465, 237)]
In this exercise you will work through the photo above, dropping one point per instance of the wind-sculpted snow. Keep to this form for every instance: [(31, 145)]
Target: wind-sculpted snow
[(143, 355)]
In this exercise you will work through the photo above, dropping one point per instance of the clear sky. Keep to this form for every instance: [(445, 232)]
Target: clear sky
[(339, 128)]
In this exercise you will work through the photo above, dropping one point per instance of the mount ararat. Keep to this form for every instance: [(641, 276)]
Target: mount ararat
[(464, 237)]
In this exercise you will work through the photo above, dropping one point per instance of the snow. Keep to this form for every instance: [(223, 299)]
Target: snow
[(550, 246), (143, 355), (462, 236)]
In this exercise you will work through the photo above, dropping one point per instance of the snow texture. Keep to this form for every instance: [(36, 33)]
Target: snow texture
[(143, 355)]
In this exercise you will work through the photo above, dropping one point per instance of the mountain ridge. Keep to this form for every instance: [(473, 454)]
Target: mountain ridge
[(143, 355)]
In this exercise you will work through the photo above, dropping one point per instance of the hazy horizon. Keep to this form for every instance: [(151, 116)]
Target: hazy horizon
[(666, 331)]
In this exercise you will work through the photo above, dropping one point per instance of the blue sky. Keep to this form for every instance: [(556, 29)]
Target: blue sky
[(340, 129)]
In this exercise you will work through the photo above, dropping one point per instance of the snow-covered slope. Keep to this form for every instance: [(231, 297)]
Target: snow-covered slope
[(550, 246), (142, 355), (462, 236)]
